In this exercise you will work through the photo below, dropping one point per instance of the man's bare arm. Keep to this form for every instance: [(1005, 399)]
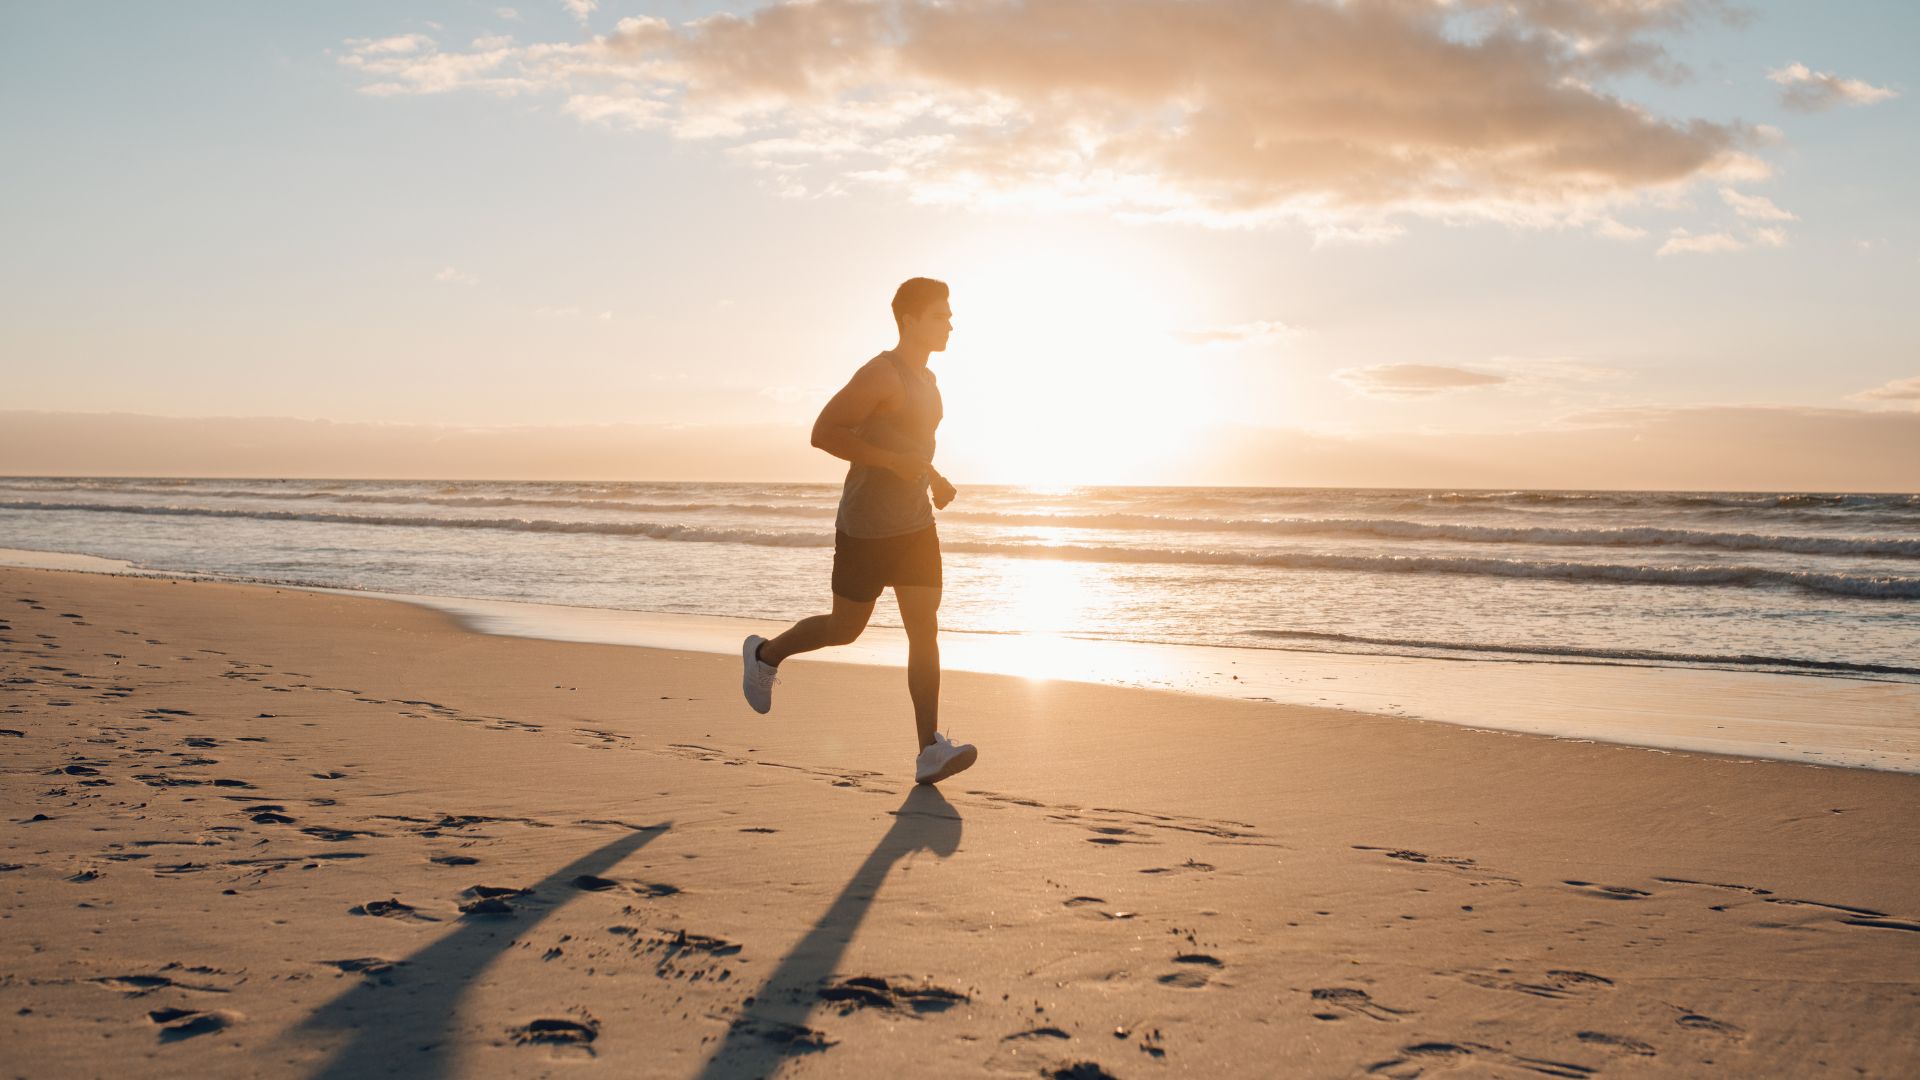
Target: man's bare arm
[(834, 431)]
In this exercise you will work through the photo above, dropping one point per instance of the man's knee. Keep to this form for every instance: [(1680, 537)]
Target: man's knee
[(845, 631), (923, 633)]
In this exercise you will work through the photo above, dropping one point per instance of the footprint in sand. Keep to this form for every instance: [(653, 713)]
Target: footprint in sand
[(376, 969), (178, 1024), (557, 1032), (1356, 1001), (491, 900), (134, 985), (1078, 1070), (1619, 1044), (334, 836), (1198, 971), (1557, 984), (1190, 865), (1608, 892), (872, 992), (1693, 1021), (390, 909), (1416, 1059)]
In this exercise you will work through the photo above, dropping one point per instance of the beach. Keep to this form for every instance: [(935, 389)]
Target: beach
[(246, 820)]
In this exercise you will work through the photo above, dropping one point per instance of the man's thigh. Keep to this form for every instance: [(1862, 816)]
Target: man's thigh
[(919, 608), (850, 616)]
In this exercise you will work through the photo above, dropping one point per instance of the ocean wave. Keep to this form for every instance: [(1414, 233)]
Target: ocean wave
[(1837, 584), (1384, 528), (1861, 585), (1587, 652), (648, 529), (1391, 528), (1658, 499), (449, 497)]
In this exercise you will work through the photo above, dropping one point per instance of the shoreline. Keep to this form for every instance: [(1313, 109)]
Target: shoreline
[(266, 831), (1792, 717)]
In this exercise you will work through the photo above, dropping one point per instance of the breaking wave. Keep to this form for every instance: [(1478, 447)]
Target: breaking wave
[(1837, 584)]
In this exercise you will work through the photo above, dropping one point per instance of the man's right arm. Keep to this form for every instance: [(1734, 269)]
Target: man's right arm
[(836, 429)]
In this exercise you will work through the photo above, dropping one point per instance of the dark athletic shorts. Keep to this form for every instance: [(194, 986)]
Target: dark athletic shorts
[(862, 567)]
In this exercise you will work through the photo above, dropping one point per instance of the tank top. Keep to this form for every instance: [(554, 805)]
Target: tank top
[(877, 502)]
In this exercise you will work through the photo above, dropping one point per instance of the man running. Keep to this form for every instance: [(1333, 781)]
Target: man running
[(882, 423)]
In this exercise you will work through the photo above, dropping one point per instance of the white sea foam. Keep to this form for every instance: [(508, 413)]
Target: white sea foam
[(1877, 586)]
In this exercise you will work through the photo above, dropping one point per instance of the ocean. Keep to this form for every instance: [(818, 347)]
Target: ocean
[(1800, 583)]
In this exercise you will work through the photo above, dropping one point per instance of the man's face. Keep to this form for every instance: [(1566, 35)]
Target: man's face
[(932, 328)]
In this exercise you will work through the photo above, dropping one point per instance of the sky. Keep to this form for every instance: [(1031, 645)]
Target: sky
[(1545, 243)]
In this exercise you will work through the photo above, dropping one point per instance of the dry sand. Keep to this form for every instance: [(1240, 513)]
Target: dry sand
[(243, 824)]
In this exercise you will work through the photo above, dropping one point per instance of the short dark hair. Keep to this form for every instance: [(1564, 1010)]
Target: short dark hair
[(914, 296)]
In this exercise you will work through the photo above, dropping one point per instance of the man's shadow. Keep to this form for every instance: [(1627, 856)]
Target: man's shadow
[(407, 1028), (774, 1026)]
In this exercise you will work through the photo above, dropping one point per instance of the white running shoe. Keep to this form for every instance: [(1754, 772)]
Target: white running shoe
[(757, 676), (942, 759)]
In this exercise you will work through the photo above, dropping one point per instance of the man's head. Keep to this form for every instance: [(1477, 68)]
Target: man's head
[(921, 311)]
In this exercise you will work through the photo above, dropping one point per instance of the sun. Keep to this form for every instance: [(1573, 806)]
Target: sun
[(1065, 369)]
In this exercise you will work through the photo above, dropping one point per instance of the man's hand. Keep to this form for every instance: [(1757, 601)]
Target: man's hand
[(943, 492), (909, 467)]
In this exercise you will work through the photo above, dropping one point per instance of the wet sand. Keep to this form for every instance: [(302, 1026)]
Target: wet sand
[(264, 832)]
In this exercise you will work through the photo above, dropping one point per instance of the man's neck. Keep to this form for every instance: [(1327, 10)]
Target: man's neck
[(910, 356)]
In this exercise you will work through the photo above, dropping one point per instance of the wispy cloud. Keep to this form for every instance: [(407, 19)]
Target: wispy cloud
[(1897, 390), (398, 45), (1238, 334), (1757, 207), (1415, 380), (1683, 242), (424, 69), (1340, 117), (453, 275), (506, 13), (581, 9), (1615, 230), (618, 110), (1808, 90)]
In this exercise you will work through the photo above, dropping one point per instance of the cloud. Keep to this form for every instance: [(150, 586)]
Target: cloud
[(1807, 90), (1897, 390), (1757, 207), (1614, 230), (1339, 117), (1682, 242), (450, 275), (1415, 380), (424, 69), (618, 110), (580, 9), (507, 13), (1239, 334), (400, 45)]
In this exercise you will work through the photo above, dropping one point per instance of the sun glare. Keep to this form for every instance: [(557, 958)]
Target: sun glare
[(1066, 370)]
